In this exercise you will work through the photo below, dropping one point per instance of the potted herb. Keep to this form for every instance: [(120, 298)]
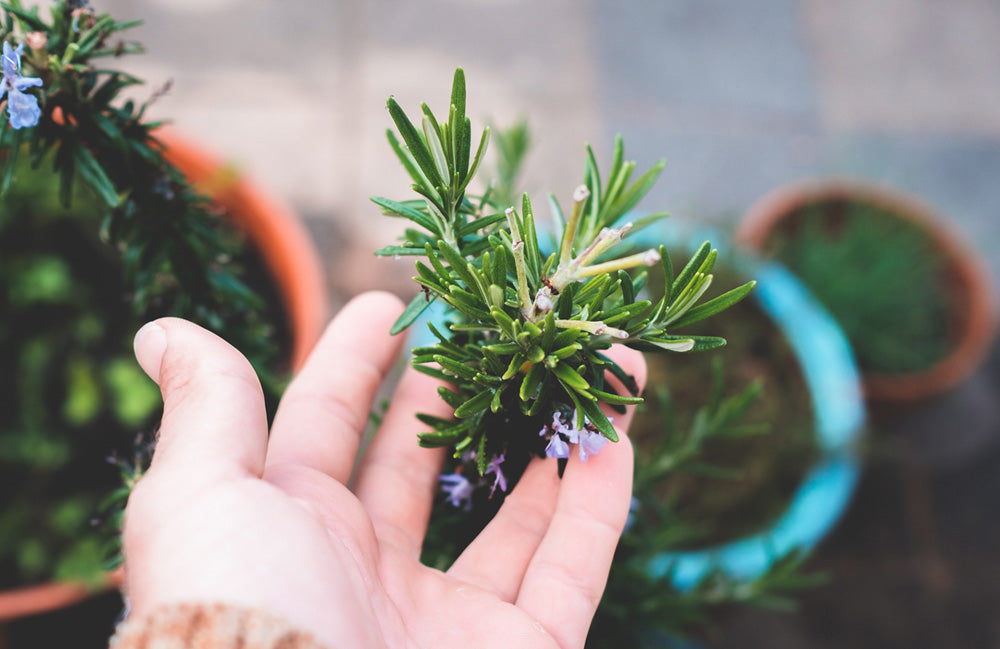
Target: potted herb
[(521, 349), (643, 605), (108, 220), (934, 315), (522, 346)]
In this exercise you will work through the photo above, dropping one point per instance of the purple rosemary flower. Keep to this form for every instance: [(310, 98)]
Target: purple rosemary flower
[(565, 432), (458, 488), (22, 108), (591, 443), (557, 447), (494, 468), (564, 426)]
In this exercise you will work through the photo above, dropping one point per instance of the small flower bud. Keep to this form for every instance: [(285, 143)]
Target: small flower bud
[(581, 194), (36, 40), (543, 300)]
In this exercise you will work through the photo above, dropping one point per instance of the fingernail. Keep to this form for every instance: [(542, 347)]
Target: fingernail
[(150, 343)]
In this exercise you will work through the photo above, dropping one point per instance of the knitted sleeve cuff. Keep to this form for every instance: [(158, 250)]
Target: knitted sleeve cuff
[(209, 626)]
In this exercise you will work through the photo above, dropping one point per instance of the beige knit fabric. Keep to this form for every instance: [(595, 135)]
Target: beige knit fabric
[(211, 626)]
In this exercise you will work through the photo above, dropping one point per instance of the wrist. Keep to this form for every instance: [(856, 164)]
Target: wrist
[(212, 626)]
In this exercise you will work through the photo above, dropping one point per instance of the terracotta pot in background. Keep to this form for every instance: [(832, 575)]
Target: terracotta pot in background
[(975, 321), (280, 237), (288, 251)]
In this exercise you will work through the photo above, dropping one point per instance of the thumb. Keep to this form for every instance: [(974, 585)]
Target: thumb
[(214, 422)]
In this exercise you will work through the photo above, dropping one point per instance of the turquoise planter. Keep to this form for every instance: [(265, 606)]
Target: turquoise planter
[(835, 389)]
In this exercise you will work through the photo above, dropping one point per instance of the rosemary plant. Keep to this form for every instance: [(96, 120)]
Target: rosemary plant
[(102, 232), (523, 348)]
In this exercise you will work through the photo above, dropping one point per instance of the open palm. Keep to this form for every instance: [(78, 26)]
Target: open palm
[(230, 514)]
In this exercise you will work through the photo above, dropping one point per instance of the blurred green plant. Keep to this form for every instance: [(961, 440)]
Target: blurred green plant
[(640, 602), (98, 233), (840, 249), (176, 254)]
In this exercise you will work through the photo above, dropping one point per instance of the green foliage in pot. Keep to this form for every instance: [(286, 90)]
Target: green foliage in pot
[(73, 392), (745, 475), (680, 444), (880, 275)]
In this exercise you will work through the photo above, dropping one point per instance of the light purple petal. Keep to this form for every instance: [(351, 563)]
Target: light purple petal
[(499, 480), (567, 428), (23, 109), (591, 443), (23, 83), (458, 488), (557, 447), (11, 60)]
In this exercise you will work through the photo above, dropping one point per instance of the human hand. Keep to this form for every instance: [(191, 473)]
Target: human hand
[(228, 514)]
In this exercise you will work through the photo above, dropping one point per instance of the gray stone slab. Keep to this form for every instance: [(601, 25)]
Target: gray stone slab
[(731, 64), (713, 177), (907, 65)]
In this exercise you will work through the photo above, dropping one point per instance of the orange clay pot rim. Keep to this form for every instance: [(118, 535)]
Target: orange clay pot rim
[(281, 238), (31, 600), (291, 256), (975, 278)]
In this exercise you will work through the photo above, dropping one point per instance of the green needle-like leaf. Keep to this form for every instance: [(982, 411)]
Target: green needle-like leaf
[(95, 176), (474, 405), (599, 419), (415, 143), (715, 305)]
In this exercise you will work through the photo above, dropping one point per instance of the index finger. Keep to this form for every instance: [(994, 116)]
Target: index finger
[(325, 409)]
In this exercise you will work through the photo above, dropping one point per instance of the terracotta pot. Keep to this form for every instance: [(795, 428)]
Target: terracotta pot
[(41, 598), (287, 250), (975, 319)]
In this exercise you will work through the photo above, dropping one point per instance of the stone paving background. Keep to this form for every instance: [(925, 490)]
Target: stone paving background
[(739, 96)]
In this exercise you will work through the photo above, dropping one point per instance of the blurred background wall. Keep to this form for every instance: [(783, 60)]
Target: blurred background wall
[(737, 96)]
